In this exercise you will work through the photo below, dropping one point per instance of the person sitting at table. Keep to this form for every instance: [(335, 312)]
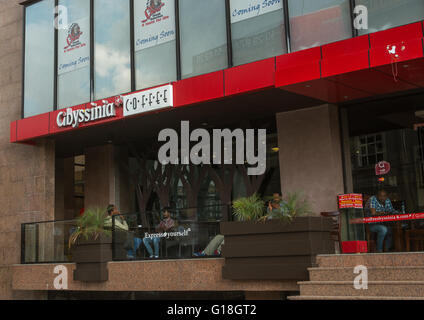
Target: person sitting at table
[(131, 243), (167, 224), (378, 205)]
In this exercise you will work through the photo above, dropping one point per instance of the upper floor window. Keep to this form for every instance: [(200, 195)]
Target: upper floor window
[(112, 49), (386, 14), (155, 42), (203, 37), (74, 54), (317, 22), (39, 58), (257, 30)]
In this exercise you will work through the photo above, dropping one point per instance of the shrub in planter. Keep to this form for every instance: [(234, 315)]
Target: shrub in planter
[(275, 244), (91, 246)]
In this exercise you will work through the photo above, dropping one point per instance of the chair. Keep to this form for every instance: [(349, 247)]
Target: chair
[(417, 236), (337, 226)]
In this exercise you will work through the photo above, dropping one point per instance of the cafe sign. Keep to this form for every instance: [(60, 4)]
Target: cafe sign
[(73, 118), (350, 201), (148, 100)]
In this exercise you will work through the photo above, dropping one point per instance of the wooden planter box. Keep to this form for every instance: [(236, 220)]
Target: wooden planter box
[(274, 250), (91, 258)]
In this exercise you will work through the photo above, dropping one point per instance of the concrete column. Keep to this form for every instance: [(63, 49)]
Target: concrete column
[(64, 189), (106, 178), (310, 155)]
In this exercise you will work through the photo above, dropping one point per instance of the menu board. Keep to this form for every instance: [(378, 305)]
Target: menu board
[(351, 200)]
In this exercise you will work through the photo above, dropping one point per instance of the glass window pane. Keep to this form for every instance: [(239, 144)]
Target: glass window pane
[(257, 30), (74, 54), (155, 45), (388, 14), (112, 53), (39, 58), (203, 37), (314, 23)]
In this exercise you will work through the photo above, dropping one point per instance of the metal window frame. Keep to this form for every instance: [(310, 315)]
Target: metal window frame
[(132, 44), (230, 61), (92, 75)]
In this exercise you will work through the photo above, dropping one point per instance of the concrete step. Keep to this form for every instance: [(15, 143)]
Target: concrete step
[(372, 259), (389, 273), (299, 298), (375, 289)]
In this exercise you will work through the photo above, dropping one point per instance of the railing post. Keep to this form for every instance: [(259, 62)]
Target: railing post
[(22, 243)]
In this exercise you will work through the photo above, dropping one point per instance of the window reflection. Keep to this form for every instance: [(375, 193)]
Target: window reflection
[(112, 61), (155, 45), (203, 37), (258, 34), (388, 14), (74, 55), (39, 59), (314, 23)]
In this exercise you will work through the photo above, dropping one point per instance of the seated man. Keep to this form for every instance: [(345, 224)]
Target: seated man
[(213, 248), (167, 224), (378, 205), (275, 206), (132, 243)]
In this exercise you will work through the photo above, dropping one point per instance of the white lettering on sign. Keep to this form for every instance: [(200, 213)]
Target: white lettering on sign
[(75, 117), (242, 9), (148, 100), (167, 235)]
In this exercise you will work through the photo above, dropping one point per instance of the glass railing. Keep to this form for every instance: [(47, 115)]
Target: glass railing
[(46, 242), (193, 233), (187, 233)]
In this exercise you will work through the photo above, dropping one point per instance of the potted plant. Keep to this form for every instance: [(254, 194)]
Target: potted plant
[(91, 246), (279, 244)]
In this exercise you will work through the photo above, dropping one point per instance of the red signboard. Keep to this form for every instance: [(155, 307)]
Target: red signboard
[(382, 168), (389, 218), (351, 200)]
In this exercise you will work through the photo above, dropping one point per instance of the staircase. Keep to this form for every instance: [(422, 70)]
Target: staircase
[(391, 276)]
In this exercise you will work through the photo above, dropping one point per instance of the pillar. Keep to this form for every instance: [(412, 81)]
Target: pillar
[(106, 177), (310, 155)]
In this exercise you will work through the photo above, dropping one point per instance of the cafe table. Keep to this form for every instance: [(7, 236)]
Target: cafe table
[(393, 219)]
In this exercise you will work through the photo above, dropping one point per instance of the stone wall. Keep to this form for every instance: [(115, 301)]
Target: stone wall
[(26, 171)]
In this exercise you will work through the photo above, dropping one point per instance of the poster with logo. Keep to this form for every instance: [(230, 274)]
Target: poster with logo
[(242, 9), (382, 168), (74, 46), (154, 23), (351, 200)]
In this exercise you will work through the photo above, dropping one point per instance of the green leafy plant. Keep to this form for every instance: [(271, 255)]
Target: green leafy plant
[(90, 225), (293, 205), (249, 209)]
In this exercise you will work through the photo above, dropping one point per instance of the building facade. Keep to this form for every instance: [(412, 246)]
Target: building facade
[(86, 88)]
